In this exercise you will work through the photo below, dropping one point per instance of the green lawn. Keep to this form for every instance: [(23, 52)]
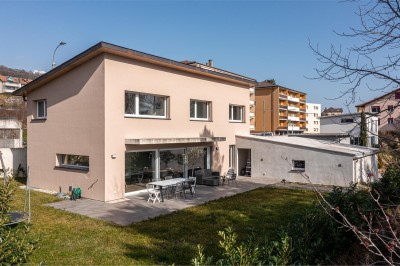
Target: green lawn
[(67, 238)]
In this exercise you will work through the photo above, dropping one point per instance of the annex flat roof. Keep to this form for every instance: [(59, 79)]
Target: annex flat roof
[(324, 145), (150, 141), (104, 47)]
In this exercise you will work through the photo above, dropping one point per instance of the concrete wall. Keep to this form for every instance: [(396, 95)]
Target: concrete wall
[(74, 125), (323, 167), (366, 169), (131, 75), (13, 158)]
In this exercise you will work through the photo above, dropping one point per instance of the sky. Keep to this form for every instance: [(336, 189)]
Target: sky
[(259, 39)]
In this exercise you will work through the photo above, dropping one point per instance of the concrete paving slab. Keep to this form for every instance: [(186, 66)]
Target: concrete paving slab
[(135, 208)]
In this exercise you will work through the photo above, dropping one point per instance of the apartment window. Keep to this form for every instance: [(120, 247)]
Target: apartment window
[(315, 129), (73, 161), (200, 110), (315, 122), (315, 115), (390, 121), (375, 109), (397, 95), (299, 165), (145, 105), (390, 108), (236, 113), (41, 109), (346, 120)]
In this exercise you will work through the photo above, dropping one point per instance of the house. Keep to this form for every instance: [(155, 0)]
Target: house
[(386, 109), (332, 111), (10, 84), (295, 159), (111, 119), (313, 113), (350, 124), (278, 109)]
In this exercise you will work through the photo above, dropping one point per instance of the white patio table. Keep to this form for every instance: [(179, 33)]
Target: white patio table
[(167, 183)]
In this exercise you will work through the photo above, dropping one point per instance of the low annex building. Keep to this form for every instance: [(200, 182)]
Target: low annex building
[(323, 162)]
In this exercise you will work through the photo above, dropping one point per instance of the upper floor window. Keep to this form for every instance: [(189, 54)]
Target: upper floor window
[(236, 113), (41, 109), (315, 107), (390, 121), (397, 95), (315, 115), (375, 109), (145, 105), (200, 110), (315, 122), (390, 108)]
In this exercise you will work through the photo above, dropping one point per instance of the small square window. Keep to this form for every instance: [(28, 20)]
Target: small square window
[(41, 109), (236, 113), (200, 110), (390, 121), (390, 108), (299, 165)]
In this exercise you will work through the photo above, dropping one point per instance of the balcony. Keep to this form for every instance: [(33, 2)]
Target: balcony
[(293, 99), (251, 103), (283, 118), (293, 118), (251, 115), (303, 110), (293, 108), (293, 128), (283, 107), (302, 100), (251, 90), (283, 96)]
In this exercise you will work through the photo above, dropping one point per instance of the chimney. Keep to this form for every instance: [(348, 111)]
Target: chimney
[(210, 63)]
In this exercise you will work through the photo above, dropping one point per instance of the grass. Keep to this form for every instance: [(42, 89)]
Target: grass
[(67, 238)]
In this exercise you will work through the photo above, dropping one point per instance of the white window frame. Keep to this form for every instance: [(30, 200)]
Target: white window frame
[(137, 103), (44, 101), (231, 107), (298, 168), (195, 110), (61, 163)]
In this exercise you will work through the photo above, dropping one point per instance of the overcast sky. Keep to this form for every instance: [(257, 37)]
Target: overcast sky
[(258, 39)]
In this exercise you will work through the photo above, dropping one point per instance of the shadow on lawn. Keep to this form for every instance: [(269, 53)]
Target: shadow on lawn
[(174, 237)]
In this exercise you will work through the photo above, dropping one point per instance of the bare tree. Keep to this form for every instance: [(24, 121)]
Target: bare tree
[(374, 56)]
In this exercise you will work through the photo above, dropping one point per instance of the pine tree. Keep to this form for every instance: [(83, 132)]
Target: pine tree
[(363, 130)]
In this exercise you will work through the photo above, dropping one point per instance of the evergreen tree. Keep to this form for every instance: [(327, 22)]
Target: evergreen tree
[(363, 130)]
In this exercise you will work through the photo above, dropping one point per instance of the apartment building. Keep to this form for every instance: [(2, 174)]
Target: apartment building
[(386, 108), (313, 113), (278, 109), (10, 84), (112, 119)]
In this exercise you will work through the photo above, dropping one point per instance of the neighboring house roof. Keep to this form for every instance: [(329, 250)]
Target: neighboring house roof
[(333, 110), (380, 97), (266, 84), (103, 47), (347, 115), (328, 146), (14, 80)]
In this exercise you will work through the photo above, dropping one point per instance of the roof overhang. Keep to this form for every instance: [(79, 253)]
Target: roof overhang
[(107, 48), (172, 140)]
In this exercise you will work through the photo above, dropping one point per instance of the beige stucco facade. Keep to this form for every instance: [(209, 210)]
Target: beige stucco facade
[(86, 116)]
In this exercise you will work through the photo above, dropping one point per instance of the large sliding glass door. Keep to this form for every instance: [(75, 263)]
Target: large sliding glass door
[(142, 167)]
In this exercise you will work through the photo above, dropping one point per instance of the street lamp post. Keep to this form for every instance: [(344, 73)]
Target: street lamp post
[(53, 65)]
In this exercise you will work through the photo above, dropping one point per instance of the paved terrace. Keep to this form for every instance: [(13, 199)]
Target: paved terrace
[(135, 208)]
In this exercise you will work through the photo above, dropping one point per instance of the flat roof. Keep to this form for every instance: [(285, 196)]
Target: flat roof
[(324, 145), (103, 47)]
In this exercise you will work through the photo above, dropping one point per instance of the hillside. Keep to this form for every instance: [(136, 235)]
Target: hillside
[(18, 73)]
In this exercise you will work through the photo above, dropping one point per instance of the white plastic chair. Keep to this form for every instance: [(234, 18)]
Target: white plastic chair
[(231, 176), (154, 193)]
